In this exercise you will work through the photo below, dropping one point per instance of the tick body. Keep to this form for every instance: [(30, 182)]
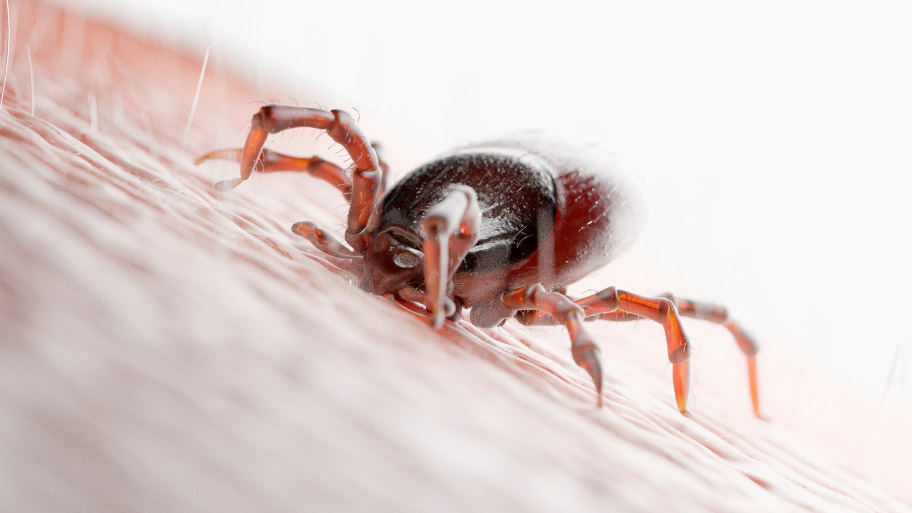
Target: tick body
[(499, 228)]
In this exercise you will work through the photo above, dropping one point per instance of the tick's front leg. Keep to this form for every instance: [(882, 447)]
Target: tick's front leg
[(273, 161), (366, 173), (450, 230), (323, 240)]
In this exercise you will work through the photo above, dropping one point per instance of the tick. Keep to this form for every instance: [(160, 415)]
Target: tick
[(499, 228)]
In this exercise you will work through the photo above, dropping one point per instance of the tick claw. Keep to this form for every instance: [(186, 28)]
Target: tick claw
[(436, 320), (681, 378), (589, 361), (227, 185)]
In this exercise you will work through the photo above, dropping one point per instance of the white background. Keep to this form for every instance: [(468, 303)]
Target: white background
[(773, 137)]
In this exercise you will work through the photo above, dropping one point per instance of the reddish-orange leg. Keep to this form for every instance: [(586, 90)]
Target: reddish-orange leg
[(661, 310), (599, 307), (450, 231), (366, 174), (323, 241), (604, 305), (718, 314), (558, 307), (621, 305), (273, 161)]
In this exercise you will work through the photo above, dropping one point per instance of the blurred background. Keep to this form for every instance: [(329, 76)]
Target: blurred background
[(772, 137)]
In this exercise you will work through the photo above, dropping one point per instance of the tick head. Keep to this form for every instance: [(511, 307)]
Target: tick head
[(392, 260)]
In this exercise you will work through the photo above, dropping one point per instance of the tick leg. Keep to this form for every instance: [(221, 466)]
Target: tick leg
[(535, 318), (272, 161), (366, 173), (613, 304), (323, 241), (718, 314), (561, 309), (595, 307), (598, 307), (384, 167), (450, 230)]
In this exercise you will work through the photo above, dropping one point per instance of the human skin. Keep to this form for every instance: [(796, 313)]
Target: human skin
[(169, 348)]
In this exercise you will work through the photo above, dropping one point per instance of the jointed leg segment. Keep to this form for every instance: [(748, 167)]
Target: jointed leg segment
[(273, 161), (622, 305), (560, 308), (362, 189), (323, 240), (719, 315), (662, 310), (618, 305), (450, 230)]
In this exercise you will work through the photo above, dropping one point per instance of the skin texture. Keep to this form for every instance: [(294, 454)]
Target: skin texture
[(169, 348)]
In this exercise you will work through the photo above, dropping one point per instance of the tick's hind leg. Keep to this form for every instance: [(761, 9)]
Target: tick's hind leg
[(718, 314), (556, 308), (621, 305), (609, 304)]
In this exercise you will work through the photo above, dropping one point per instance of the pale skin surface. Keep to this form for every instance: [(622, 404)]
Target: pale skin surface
[(166, 347)]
